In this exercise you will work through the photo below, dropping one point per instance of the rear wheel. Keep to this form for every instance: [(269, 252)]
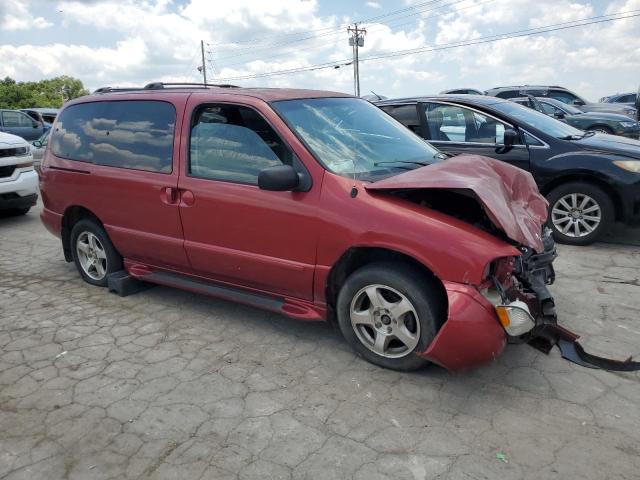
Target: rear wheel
[(579, 213), (93, 253), (389, 313)]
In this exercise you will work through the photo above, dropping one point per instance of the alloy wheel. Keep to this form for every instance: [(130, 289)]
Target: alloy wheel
[(576, 215), (385, 321), (92, 255)]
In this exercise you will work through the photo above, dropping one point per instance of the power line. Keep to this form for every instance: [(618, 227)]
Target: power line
[(488, 39), (335, 29), (340, 38), (251, 51)]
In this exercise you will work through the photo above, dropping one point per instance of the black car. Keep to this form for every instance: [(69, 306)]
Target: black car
[(563, 95), (626, 98), (602, 122), (590, 179)]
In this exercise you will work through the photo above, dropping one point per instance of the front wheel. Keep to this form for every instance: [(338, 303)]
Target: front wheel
[(389, 313), (579, 213)]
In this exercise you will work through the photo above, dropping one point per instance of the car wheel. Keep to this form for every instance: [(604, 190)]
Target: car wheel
[(600, 129), (579, 213), (389, 313), (93, 253)]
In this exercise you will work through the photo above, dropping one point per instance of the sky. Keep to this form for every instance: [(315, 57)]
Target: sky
[(131, 43)]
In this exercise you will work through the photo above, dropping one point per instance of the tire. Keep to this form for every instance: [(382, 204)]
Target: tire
[(419, 324), (600, 129), (563, 215), (106, 258)]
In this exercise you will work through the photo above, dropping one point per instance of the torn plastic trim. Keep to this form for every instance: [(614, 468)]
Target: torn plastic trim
[(554, 335)]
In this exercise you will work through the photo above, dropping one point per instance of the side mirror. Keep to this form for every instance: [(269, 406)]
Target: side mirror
[(37, 143), (35, 124), (559, 115), (510, 138), (280, 178), (577, 102)]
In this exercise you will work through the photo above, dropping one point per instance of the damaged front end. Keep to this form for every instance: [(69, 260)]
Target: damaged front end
[(518, 288), (503, 201)]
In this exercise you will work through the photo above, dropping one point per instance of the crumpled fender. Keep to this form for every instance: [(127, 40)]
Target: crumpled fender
[(508, 194)]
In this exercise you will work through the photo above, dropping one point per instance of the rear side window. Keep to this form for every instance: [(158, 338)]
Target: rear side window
[(135, 134), (508, 94), (16, 119), (406, 115)]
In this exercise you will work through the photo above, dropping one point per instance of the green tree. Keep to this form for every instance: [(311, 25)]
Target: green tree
[(45, 93)]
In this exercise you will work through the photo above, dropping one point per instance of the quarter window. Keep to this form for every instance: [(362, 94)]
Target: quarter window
[(16, 119), (135, 134), (234, 143), (406, 115), (452, 123)]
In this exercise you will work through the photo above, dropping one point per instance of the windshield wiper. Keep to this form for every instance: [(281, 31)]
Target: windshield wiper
[(386, 162)]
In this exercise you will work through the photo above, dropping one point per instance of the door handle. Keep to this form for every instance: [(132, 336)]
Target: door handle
[(169, 195)]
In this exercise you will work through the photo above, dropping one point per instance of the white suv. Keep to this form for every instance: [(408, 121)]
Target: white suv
[(18, 179)]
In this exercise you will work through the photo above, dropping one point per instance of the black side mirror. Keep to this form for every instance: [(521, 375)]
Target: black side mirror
[(559, 115), (35, 124), (37, 143), (280, 178), (510, 137)]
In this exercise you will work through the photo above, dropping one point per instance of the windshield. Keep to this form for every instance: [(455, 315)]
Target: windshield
[(351, 137), (537, 120)]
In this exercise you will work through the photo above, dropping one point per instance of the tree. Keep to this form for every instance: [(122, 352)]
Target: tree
[(46, 93)]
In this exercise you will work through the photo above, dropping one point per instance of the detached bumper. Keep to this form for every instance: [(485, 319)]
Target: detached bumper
[(472, 334)]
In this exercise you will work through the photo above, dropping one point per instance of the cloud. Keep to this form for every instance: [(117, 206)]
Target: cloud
[(373, 5), (127, 42), (15, 15)]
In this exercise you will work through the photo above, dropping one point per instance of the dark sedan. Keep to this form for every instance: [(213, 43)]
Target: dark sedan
[(602, 122), (590, 179)]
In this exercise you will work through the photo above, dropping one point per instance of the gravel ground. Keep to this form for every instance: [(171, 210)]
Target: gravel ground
[(168, 384)]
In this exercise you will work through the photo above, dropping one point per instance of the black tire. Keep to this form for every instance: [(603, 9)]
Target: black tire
[(601, 129), (409, 281), (601, 198), (113, 258)]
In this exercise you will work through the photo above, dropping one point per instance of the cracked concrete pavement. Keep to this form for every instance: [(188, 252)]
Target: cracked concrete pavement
[(168, 384)]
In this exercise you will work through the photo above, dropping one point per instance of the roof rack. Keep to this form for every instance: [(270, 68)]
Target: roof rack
[(163, 85)]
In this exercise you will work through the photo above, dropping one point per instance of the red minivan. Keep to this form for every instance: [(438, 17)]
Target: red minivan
[(313, 204)]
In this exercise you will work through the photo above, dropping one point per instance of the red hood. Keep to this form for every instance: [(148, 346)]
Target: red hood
[(508, 194)]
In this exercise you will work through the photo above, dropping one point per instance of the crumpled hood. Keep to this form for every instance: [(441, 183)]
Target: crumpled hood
[(508, 195)]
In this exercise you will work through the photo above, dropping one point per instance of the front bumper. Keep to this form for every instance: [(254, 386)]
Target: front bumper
[(20, 190), (471, 336)]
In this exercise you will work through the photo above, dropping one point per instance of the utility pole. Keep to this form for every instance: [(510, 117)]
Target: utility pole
[(203, 68), (356, 40)]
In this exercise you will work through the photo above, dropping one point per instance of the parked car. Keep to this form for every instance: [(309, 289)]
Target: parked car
[(38, 147), (463, 91), (602, 122), (563, 95), (45, 116), (625, 98), (20, 124), (18, 180), (308, 203), (590, 179)]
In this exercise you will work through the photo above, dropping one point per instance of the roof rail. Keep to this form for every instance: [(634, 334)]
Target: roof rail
[(159, 85), (162, 85)]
